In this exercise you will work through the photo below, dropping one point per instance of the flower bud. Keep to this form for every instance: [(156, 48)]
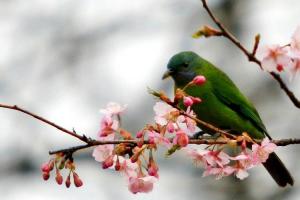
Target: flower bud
[(108, 162), (68, 181), (46, 176), (181, 139), (140, 134), (196, 99), (188, 101), (77, 181), (170, 127), (199, 80), (59, 178), (45, 167), (153, 169), (117, 165)]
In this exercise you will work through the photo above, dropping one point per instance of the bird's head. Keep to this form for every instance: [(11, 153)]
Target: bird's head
[(181, 67)]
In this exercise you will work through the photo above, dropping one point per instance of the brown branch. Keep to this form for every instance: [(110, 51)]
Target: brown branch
[(281, 142), (250, 55), (72, 133)]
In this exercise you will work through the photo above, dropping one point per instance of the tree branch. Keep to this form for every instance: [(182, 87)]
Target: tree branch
[(72, 133), (250, 55), (281, 142)]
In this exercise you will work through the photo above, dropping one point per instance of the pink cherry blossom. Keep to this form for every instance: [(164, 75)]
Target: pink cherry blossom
[(171, 127), (260, 153), (216, 158), (102, 152), (113, 108), (294, 70), (295, 43), (197, 156), (157, 138), (181, 139), (219, 172), (199, 80), (141, 184), (275, 58), (108, 126), (244, 159), (128, 168), (241, 172), (163, 113), (187, 124)]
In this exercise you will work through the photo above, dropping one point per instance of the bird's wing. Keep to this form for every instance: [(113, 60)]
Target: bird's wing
[(225, 90)]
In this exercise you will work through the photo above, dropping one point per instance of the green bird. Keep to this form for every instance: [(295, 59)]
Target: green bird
[(223, 105)]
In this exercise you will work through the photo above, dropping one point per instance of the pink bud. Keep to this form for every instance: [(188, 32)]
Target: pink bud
[(199, 80), (134, 158), (140, 134), (196, 100), (151, 140), (181, 139), (59, 178), (187, 101), (108, 162), (117, 165), (45, 167), (170, 127), (153, 169), (68, 181), (46, 176), (140, 143), (77, 181)]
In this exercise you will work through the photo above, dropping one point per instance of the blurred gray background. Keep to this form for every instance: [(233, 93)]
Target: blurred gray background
[(65, 59)]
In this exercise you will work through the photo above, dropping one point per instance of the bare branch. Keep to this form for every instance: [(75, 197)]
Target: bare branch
[(72, 133)]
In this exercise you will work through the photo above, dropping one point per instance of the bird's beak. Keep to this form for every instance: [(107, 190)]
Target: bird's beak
[(167, 74)]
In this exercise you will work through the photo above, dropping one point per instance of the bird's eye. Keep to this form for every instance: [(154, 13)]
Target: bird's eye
[(185, 65)]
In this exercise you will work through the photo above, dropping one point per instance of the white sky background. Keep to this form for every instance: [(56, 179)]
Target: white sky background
[(66, 59)]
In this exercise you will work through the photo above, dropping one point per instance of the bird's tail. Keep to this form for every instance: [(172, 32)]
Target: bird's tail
[(278, 171)]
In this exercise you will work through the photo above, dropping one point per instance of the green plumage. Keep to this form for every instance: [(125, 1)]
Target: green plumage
[(223, 105)]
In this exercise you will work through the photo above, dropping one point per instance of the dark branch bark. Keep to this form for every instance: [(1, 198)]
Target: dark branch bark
[(281, 142)]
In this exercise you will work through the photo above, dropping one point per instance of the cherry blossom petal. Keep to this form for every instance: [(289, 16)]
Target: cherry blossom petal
[(275, 58), (295, 43), (141, 184), (241, 174), (102, 152), (157, 138), (113, 108)]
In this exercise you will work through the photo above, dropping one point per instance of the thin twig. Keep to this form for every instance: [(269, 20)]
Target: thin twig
[(250, 55), (72, 133)]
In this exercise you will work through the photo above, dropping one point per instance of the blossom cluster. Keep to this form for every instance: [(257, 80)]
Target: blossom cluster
[(220, 164), (277, 58), (59, 162)]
